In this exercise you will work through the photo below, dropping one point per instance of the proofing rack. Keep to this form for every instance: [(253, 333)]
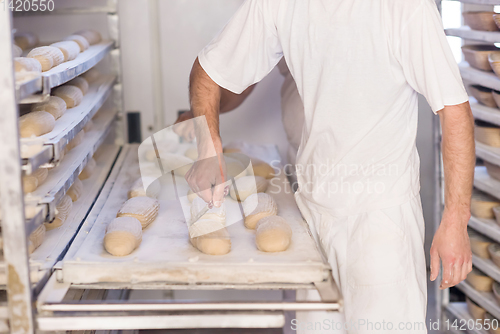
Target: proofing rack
[(457, 311)]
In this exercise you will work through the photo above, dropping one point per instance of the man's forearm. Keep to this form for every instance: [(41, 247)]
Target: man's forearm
[(459, 158), (230, 101), (205, 96)]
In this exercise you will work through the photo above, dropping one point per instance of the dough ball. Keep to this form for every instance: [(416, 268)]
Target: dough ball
[(248, 185), (215, 243), (273, 234), (258, 206), (123, 236), (54, 106), (145, 209), (36, 123)]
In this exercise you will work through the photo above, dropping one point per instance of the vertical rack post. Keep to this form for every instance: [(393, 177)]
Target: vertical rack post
[(11, 192)]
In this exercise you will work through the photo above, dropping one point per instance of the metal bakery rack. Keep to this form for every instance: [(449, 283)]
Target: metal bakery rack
[(457, 312), (70, 282)]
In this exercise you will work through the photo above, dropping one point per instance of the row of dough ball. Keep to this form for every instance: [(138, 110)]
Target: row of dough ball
[(124, 233), (44, 58), (42, 118)]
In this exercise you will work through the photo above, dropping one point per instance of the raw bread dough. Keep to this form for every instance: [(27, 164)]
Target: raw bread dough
[(493, 170), (248, 185), (479, 244), (488, 135), (213, 220), (36, 123), (63, 210), (273, 234), (234, 168), (88, 170), (72, 95), (75, 191), (92, 36), (77, 140), (123, 236), (258, 206), (25, 40), (191, 195), (262, 168), (48, 56), (215, 243), (41, 174), (23, 64), (137, 189), (479, 280), (176, 162), (192, 153), (70, 49), (36, 238), (482, 205), (54, 106), (91, 75), (80, 83), (80, 40), (16, 51), (30, 183), (145, 209)]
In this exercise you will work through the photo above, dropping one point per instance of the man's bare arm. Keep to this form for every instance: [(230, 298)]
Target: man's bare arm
[(451, 241)]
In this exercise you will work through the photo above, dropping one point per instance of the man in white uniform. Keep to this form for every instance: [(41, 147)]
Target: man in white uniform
[(358, 66)]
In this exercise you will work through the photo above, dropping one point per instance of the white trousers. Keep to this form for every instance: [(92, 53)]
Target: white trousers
[(378, 261)]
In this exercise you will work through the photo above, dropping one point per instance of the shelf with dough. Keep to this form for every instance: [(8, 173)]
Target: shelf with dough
[(488, 153), (166, 255), (56, 240), (487, 266), (487, 227), (62, 177), (458, 311), (486, 183), (484, 113), (27, 84), (487, 79), (476, 35), (34, 150), (484, 299)]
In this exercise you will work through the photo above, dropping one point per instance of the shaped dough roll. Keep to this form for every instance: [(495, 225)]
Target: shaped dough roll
[(70, 49), (248, 185), (36, 238), (482, 205), (91, 75), (234, 168), (80, 83), (145, 209), (176, 162), (263, 169), (72, 95), (26, 40), (191, 195), (76, 190), (77, 140), (493, 170), (16, 51), (88, 170), (63, 210), (273, 234), (30, 183), (80, 40), (41, 174), (54, 106), (23, 64), (216, 214), (92, 36), (36, 123), (137, 189), (123, 236), (215, 243), (48, 56), (258, 206)]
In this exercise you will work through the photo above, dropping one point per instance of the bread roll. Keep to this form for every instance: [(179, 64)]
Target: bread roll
[(16, 51), (493, 170), (36, 238), (488, 135), (23, 64), (273, 234), (482, 205), (63, 210), (36, 123), (26, 40), (80, 40), (231, 148), (192, 153), (88, 170), (54, 106), (77, 140), (70, 49), (248, 185), (75, 191), (218, 214), (48, 56), (137, 189), (41, 174), (479, 280), (215, 243), (145, 209), (70, 94), (123, 236), (476, 311), (30, 183), (263, 169), (92, 36), (91, 75), (80, 83), (258, 206), (479, 244)]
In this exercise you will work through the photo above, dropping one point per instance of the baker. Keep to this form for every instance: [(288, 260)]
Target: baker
[(358, 67)]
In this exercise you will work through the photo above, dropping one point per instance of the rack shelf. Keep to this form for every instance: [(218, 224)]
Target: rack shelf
[(486, 226), (63, 176), (487, 266), (486, 79), (27, 86), (69, 11), (68, 126), (458, 311), (484, 113), (477, 35), (488, 153), (486, 183), (484, 299)]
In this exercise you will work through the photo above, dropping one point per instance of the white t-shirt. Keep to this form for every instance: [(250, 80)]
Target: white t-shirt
[(358, 66)]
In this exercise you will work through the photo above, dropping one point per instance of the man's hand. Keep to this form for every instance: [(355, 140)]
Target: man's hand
[(206, 178), (185, 129), (451, 245)]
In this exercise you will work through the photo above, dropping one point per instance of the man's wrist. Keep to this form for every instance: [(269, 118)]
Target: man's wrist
[(457, 215)]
